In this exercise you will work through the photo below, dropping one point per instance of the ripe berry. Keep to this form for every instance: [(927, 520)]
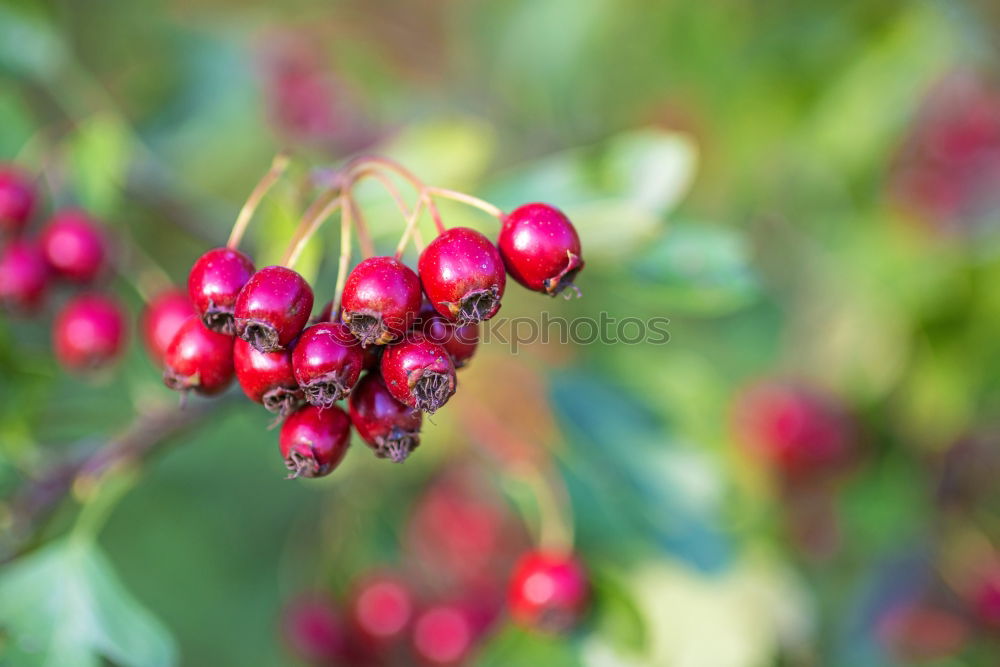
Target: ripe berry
[(386, 425), (548, 592), (23, 275), (381, 300), (800, 432), (463, 275), (459, 340), (267, 378), (313, 630), (17, 199), (214, 283), (382, 607), (986, 601), (314, 440), (418, 373), (272, 308), (328, 361), (162, 319), (443, 634), (540, 248), (198, 359), (89, 332), (74, 245)]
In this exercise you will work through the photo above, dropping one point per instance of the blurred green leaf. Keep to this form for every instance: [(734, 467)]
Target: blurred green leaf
[(699, 268), (28, 45), (617, 617), (651, 168), (16, 125), (272, 229), (448, 152), (64, 606), (512, 646), (100, 150)]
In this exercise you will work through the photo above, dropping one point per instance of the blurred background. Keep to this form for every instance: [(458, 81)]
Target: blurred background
[(804, 475)]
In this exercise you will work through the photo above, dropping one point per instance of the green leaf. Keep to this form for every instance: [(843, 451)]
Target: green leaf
[(16, 126), (700, 269), (100, 150), (64, 606), (617, 617), (28, 45), (447, 152), (512, 646)]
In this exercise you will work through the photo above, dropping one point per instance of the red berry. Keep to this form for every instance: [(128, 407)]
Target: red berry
[(214, 283), (799, 431), (74, 245), (17, 199), (313, 630), (382, 607), (548, 592), (986, 601), (23, 275), (314, 440), (328, 361), (381, 300), (540, 248), (418, 373), (459, 340), (162, 319), (443, 634), (916, 632), (89, 332), (198, 359), (463, 275), (272, 308), (267, 378), (386, 425)]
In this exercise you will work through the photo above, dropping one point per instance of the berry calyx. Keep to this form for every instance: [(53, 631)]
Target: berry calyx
[(327, 363), (24, 275), (198, 359), (459, 340), (162, 319), (540, 248), (381, 300), (272, 308), (418, 373), (443, 634), (387, 426), (89, 332), (267, 378), (548, 592), (382, 607), (214, 283), (314, 440), (463, 275), (17, 199), (74, 246)]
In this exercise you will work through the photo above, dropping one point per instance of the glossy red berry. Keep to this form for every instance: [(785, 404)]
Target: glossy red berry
[(418, 373), (382, 607), (198, 359), (267, 378), (272, 308), (313, 630), (314, 440), (548, 592), (214, 283), (443, 634), (24, 275), (381, 300), (390, 428), (89, 332), (327, 361), (463, 275), (17, 199), (459, 340), (162, 319), (540, 248), (798, 431), (74, 245)]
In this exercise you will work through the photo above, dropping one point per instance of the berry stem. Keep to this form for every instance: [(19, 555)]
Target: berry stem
[(364, 236), (555, 529), (278, 166), (469, 200), (363, 161), (321, 209), (411, 226), (347, 209)]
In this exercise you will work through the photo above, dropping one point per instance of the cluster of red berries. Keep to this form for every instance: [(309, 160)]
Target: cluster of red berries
[(410, 330), (90, 328)]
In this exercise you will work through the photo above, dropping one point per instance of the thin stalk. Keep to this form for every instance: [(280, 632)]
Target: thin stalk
[(363, 161), (318, 212), (411, 226), (469, 200), (347, 208), (278, 166), (364, 237)]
